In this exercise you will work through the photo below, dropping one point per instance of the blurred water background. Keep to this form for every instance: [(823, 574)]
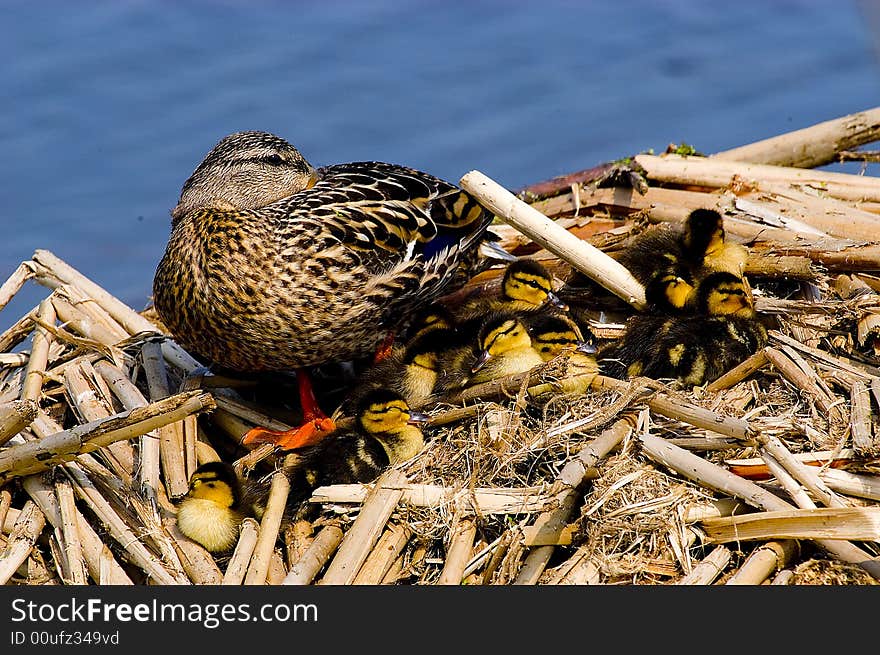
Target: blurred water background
[(110, 105)]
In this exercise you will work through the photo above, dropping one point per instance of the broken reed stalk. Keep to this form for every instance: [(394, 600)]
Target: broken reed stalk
[(130, 396), (811, 146), (860, 426), (39, 359), (279, 489), (799, 471), (586, 258), (549, 524), (238, 564), (365, 531), (71, 544), (312, 561), (197, 563), (840, 523), (92, 546), (15, 416), (461, 547), (24, 535), (706, 571), (35, 456), (382, 557), (15, 282), (852, 484), (764, 561), (714, 477), (739, 372), (171, 450)]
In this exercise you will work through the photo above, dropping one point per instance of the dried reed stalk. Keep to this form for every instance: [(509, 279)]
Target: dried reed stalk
[(811, 146), (171, 451), (799, 471), (15, 282), (72, 545), (238, 564), (24, 535), (588, 259), (709, 568), (19, 330), (92, 546), (35, 456), (380, 560), (461, 547), (319, 551), (75, 318), (739, 372), (551, 523), (860, 426), (39, 359), (715, 173), (197, 563), (365, 531), (764, 561), (850, 523), (15, 416), (270, 524), (852, 484)]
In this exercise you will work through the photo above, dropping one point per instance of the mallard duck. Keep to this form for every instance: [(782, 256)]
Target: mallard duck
[(274, 265), (694, 349), (501, 346), (212, 510), (526, 286)]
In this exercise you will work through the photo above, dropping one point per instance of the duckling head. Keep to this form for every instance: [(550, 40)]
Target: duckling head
[(385, 415), (703, 233), (209, 513), (724, 294), (529, 284), (245, 170), (434, 317), (421, 362), (501, 334), (670, 289), (553, 333)]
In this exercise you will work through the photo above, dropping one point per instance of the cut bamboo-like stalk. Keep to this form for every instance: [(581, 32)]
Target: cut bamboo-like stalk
[(279, 489), (197, 562), (852, 484), (148, 449), (764, 561), (553, 522), (18, 331), (799, 471), (92, 546), (586, 258), (15, 282), (36, 368), (384, 554), (75, 319), (461, 546), (73, 554), (850, 523), (35, 456), (702, 171), (119, 529), (811, 146), (860, 426), (241, 556), (365, 531), (739, 372), (709, 568), (171, 450), (15, 416), (27, 528), (319, 551)]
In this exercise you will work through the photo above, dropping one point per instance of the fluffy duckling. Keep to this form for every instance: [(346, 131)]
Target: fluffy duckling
[(502, 347), (387, 433), (557, 334), (412, 368), (212, 510), (695, 349), (707, 247), (526, 286)]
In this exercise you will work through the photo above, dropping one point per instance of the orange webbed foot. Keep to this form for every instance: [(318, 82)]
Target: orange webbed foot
[(308, 434)]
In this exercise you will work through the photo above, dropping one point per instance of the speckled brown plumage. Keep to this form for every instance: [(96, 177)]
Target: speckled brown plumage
[(273, 265)]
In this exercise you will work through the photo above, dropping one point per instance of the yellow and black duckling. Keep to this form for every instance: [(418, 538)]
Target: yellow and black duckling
[(526, 286), (212, 510), (557, 334), (412, 368), (274, 265), (501, 346), (692, 349), (707, 247)]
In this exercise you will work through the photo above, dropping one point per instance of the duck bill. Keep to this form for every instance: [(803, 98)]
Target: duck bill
[(481, 361), (556, 301), (587, 348), (418, 418)]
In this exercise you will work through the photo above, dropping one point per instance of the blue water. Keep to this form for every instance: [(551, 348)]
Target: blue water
[(108, 106)]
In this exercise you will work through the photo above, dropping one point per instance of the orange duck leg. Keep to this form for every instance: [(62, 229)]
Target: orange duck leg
[(315, 424)]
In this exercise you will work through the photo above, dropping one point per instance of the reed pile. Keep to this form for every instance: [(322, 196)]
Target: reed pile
[(768, 475)]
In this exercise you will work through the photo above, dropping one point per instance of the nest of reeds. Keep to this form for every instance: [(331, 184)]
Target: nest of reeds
[(766, 475)]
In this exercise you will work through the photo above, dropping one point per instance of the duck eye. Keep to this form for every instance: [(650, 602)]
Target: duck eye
[(274, 159)]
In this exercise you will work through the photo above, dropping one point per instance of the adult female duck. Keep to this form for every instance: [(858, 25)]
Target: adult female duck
[(275, 265)]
